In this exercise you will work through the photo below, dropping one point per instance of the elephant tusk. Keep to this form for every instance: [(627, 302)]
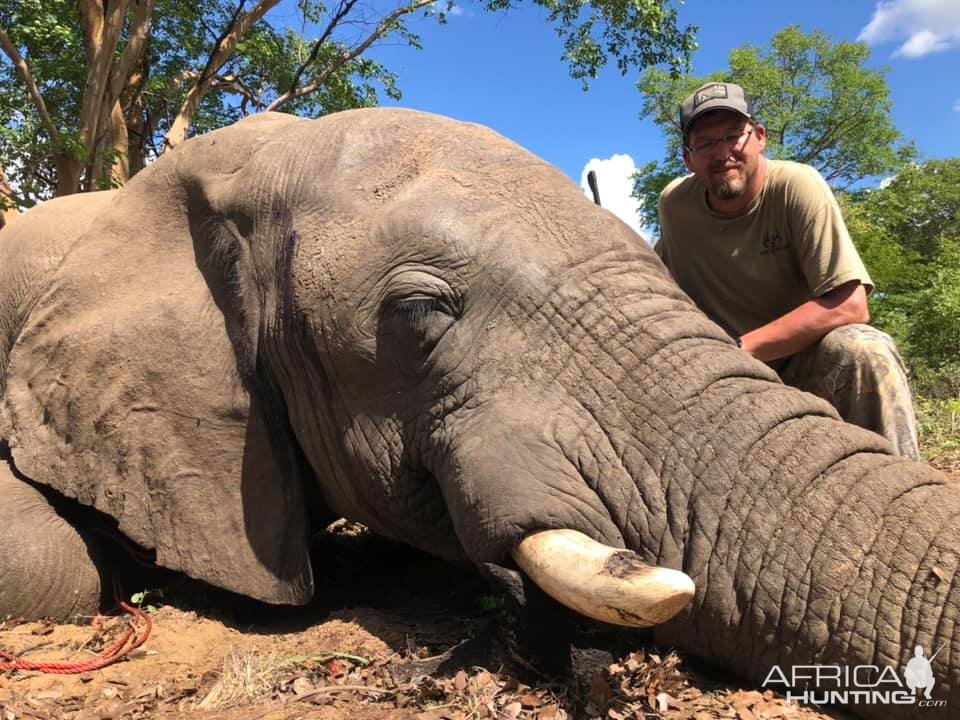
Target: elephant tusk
[(602, 582)]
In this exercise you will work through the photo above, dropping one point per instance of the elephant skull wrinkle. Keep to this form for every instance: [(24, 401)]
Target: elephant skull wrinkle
[(602, 582)]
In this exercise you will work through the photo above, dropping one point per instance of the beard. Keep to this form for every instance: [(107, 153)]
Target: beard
[(728, 187)]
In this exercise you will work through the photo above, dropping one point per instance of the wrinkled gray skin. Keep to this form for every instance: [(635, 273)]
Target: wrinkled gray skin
[(414, 323)]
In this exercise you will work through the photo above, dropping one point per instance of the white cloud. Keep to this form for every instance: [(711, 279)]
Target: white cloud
[(956, 105), (615, 183), (457, 11), (922, 43), (929, 26)]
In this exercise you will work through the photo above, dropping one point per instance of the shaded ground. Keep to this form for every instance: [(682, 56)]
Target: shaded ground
[(393, 635)]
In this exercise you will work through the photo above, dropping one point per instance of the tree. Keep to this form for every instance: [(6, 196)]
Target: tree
[(90, 90), (908, 232), (819, 102)]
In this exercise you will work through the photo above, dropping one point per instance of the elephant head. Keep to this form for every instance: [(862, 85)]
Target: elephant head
[(414, 323)]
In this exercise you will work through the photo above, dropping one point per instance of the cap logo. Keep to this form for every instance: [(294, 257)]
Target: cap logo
[(711, 92)]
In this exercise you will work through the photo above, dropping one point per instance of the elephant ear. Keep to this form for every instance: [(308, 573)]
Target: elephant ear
[(125, 391)]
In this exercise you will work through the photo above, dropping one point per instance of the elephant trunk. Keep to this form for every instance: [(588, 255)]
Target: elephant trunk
[(810, 544), (647, 429), (807, 539)]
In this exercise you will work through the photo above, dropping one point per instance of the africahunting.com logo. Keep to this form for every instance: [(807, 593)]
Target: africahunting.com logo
[(859, 684)]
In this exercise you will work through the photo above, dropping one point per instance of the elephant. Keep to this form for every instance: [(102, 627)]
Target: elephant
[(412, 322)]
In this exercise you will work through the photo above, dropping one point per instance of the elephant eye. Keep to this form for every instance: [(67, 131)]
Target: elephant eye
[(420, 320), (418, 309)]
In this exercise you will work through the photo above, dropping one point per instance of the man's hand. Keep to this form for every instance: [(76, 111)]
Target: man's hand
[(806, 324)]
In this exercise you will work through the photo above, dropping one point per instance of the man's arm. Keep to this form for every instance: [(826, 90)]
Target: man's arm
[(806, 324)]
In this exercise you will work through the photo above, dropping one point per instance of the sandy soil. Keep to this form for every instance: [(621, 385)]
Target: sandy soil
[(392, 635)]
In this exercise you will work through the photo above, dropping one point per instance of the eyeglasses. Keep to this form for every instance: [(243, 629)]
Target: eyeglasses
[(707, 147)]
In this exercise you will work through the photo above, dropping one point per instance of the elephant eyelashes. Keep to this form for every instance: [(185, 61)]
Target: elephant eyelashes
[(417, 310), (423, 320)]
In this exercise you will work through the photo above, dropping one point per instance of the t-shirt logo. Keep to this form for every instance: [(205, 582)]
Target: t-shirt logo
[(774, 242)]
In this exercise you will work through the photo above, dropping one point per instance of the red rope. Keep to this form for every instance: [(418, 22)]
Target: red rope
[(136, 635)]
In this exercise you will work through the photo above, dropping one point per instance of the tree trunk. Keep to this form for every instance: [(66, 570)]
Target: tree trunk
[(102, 28), (69, 170), (110, 163), (136, 119), (8, 201)]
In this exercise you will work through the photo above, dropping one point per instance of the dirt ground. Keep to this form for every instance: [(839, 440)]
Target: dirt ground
[(392, 635)]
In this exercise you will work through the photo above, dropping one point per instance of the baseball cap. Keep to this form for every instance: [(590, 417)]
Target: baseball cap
[(714, 96)]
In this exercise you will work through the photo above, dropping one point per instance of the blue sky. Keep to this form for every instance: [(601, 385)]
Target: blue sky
[(505, 71)]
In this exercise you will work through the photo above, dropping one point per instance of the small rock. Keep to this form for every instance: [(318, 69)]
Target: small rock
[(301, 686)]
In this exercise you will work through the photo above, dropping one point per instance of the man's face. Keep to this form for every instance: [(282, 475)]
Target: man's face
[(723, 150)]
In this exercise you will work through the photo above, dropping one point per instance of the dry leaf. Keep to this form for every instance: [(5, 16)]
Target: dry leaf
[(531, 701), (742, 698), (744, 714), (460, 681), (663, 702), (512, 711), (483, 680), (50, 694), (548, 712), (770, 710)]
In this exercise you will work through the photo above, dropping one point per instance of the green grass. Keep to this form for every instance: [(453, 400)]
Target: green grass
[(938, 425)]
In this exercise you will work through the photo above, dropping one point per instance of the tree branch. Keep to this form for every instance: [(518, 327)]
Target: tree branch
[(24, 71), (345, 7), (239, 25), (834, 131), (138, 33), (347, 56), (235, 84)]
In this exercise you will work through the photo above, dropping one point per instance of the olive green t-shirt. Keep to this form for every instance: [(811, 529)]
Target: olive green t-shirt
[(788, 246)]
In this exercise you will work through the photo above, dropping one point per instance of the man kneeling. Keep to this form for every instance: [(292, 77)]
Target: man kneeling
[(761, 247)]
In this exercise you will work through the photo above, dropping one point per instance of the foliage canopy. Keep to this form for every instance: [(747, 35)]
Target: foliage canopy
[(92, 90), (908, 233)]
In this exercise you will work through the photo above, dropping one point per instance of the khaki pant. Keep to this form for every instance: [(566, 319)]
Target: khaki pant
[(858, 370)]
